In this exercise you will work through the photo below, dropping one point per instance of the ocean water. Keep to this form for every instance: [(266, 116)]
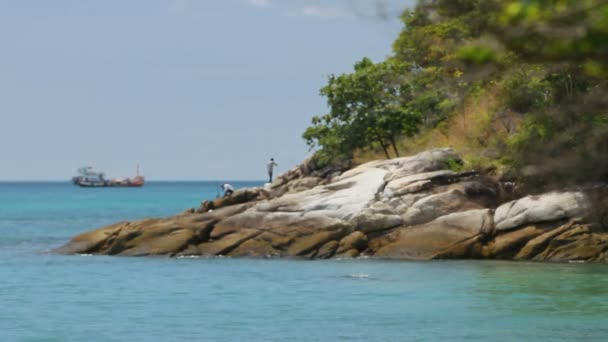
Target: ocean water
[(48, 297)]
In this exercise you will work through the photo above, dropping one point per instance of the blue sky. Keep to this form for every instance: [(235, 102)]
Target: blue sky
[(188, 89)]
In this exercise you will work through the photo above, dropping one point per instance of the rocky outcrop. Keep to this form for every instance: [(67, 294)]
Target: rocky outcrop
[(544, 208), (238, 197), (404, 208), (570, 242)]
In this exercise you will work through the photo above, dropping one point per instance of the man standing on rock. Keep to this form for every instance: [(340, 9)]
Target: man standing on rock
[(270, 165)]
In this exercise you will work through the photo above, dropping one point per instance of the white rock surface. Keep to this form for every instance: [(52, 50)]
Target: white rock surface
[(476, 221), (426, 161), (412, 183), (543, 208), (433, 206), (344, 198)]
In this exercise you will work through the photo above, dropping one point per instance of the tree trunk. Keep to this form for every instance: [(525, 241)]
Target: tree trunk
[(394, 146), (384, 146)]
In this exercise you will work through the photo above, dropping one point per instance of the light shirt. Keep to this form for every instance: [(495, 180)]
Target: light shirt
[(271, 164), (228, 187)]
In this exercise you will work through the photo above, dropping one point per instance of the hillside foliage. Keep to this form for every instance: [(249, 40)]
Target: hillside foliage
[(518, 87)]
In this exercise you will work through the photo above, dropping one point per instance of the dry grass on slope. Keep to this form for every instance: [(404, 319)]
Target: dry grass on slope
[(477, 130)]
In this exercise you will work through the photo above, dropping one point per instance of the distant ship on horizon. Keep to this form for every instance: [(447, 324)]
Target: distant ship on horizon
[(89, 178)]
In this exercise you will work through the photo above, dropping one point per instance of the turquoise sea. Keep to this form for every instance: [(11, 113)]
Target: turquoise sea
[(47, 297)]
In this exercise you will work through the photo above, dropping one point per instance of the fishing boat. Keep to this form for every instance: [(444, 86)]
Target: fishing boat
[(89, 178)]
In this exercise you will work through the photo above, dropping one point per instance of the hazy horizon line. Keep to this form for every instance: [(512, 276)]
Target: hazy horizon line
[(147, 180)]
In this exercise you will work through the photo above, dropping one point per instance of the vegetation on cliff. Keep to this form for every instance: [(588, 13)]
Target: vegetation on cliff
[(518, 87)]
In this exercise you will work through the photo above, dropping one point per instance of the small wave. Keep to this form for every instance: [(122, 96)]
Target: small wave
[(358, 276), (85, 254), (203, 257), (188, 256)]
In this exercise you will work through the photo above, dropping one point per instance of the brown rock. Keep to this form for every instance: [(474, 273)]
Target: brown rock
[(93, 241), (456, 198), (238, 197), (308, 243), (146, 237), (227, 243), (267, 244), (162, 244), (576, 244), (188, 212), (327, 250), (351, 253), (539, 243), (441, 237), (506, 245), (284, 233), (190, 250), (355, 240), (469, 248), (160, 236)]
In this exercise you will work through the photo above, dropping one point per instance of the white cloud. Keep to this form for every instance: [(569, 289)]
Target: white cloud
[(259, 3), (319, 12), (179, 6)]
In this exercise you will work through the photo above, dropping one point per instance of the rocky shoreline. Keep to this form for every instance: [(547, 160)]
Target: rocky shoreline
[(405, 208)]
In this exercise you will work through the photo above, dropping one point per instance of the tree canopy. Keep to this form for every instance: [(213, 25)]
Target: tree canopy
[(541, 63)]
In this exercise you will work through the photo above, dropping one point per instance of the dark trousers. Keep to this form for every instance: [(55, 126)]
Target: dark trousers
[(269, 177)]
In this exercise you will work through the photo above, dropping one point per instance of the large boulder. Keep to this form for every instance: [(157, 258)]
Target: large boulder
[(282, 233), (403, 203), (300, 223), (458, 197), (305, 183), (435, 238), (377, 217), (305, 175), (538, 244), (552, 206), (227, 243), (508, 244), (146, 237), (413, 183), (348, 195), (238, 197), (426, 161), (355, 240), (327, 250), (95, 241), (579, 243)]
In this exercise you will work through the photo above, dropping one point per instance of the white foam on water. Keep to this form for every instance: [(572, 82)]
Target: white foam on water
[(359, 276)]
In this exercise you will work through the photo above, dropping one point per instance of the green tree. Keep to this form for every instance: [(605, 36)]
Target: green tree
[(367, 107)]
